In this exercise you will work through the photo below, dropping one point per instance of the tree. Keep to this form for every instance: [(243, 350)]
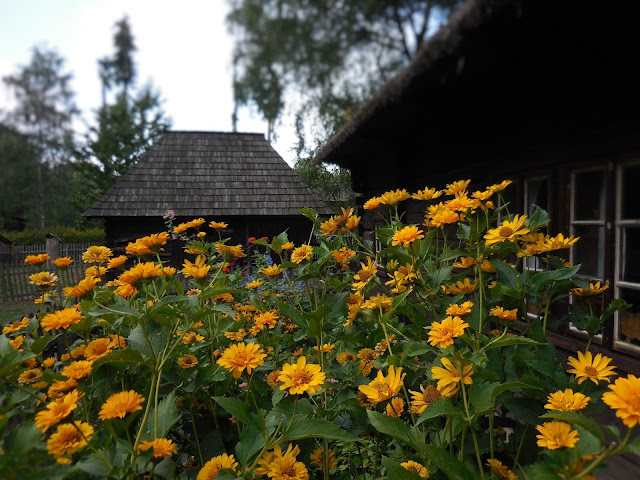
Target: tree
[(127, 124), (331, 184), (44, 113), (329, 56)]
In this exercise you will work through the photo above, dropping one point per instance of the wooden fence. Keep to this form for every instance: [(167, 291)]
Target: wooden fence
[(14, 273)]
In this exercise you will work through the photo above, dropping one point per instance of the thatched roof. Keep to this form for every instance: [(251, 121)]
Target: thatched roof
[(500, 66), (208, 174)]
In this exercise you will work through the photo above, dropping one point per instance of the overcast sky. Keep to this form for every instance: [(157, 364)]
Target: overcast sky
[(183, 48)]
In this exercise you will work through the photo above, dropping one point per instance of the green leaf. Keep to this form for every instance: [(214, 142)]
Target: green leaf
[(510, 340), (544, 278), (277, 396), (94, 465), (452, 468), (317, 428), (240, 410), (539, 218), (633, 446), (393, 427), (506, 273), (614, 306), (22, 439), (251, 442), (451, 254), (577, 418), (396, 471), (439, 408), (129, 355), (168, 415), (414, 348), (440, 275), (41, 343)]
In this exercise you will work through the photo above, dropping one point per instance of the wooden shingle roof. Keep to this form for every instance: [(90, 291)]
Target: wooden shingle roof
[(208, 174)]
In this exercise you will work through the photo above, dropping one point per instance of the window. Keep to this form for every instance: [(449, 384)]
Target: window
[(588, 221), (536, 194), (627, 272)]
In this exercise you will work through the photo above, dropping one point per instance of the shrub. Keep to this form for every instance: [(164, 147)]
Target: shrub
[(32, 236)]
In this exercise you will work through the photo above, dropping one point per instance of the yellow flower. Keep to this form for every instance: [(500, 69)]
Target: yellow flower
[(213, 466), (140, 270), (30, 376), (416, 467), (59, 386), (188, 361), (345, 357), (285, 467), (464, 262), (461, 309), (97, 254), (566, 401), (272, 378), (343, 255), (57, 411), (594, 289), (406, 236), (16, 326), (69, 439), (61, 319), (43, 279), (456, 187), (48, 362), (383, 388), (17, 342), (287, 246), (442, 217), (77, 370), (194, 291), (36, 259), (197, 269), (301, 377), (125, 290), (461, 203), (255, 284), (395, 407), (504, 314), (84, 286), (451, 375), (391, 197), (62, 262), (587, 367), (559, 242), (330, 227), (271, 271), (463, 287), (303, 252), (378, 302), (317, 458), (426, 194), (236, 336), (500, 470), (555, 435), (97, 348), (218, 225), (500, 186), (624, 398), (240, 356), (117, 261), (95, 271), (162, 447), (121, 403), (509, 230), (443, 333), (365, 275), (372, 203), (422, 399)]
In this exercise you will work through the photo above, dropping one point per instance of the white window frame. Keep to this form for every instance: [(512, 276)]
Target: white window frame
[(620, 224)]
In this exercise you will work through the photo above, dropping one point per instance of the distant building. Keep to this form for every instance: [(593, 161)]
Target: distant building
[(541, 92), (236, 178)]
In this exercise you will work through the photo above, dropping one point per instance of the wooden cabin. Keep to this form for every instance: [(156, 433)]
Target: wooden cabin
[(236, 178), (541, 92)]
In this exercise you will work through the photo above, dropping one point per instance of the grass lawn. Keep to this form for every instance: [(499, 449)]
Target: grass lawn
[(12, 311)]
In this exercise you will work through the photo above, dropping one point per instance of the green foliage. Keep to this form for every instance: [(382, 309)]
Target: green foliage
[(331, 184), (35, 236), (312, 49)]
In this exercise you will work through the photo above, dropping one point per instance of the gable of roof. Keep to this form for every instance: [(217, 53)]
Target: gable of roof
[(208, 174)]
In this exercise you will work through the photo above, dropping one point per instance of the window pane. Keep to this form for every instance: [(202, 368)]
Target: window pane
[(629, 320), (630, 192), (589, 250), (537, 194), (630, 255), (588, 196)]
